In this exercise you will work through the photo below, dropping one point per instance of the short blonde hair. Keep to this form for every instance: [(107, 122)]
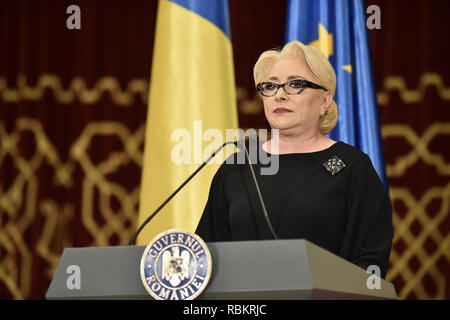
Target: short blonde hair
[(317, 63)]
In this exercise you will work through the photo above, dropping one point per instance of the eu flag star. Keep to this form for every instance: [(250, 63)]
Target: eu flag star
[(325, 44), (325, 41)]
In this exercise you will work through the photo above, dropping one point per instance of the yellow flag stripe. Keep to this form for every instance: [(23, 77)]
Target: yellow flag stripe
[(192, 79)]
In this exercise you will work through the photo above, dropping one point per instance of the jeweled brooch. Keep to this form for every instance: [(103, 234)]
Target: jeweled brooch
[(334, 165)]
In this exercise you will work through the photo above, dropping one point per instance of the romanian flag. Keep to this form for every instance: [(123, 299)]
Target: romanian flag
[(338, 28), (192, 90)]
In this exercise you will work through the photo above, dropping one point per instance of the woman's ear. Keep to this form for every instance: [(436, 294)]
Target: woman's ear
[(326, 101)]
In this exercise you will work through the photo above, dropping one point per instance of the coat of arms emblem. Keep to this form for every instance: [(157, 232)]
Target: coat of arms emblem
[(176, 265)]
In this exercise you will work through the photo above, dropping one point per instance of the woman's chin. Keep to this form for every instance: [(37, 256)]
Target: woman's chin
[(282, 125)]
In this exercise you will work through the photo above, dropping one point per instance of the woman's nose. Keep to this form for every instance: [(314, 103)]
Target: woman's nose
[(281, 95)]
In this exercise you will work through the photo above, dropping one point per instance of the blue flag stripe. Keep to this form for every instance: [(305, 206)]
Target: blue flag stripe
[(215, 11)]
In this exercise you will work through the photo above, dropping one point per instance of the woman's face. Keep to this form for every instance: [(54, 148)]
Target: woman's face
[(295, 114)]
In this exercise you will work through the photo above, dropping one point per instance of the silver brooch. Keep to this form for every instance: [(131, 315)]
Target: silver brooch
[(334, 165)]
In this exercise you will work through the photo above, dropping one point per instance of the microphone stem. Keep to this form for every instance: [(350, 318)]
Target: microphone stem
[(266, 216), (175, 192)]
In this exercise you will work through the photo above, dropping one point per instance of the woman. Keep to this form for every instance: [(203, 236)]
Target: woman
[(341, 206)]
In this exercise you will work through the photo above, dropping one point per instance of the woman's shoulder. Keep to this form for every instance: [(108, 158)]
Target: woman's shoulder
[(359, 163), (351, 153)]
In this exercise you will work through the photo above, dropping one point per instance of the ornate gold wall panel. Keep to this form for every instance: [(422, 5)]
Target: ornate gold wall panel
[(107, 210), (23, 91), (20, 205)]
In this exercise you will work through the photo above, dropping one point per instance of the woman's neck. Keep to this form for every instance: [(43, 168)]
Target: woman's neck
[(297, 144)]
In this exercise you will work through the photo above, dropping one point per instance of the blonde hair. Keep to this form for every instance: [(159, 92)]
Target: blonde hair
[(317, 63)]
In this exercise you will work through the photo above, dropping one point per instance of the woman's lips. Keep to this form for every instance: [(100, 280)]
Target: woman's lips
[(281, 110)]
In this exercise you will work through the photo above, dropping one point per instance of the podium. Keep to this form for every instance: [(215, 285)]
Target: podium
[(253, 270)]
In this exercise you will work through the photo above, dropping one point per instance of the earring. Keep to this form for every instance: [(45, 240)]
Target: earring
[(322, 113)]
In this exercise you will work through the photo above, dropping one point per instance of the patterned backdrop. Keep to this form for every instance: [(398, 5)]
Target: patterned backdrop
[(72, 111)]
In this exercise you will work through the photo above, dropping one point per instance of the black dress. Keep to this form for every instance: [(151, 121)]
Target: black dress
[(348, 213)]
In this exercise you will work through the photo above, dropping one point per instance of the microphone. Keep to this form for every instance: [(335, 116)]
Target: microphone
[(239, 144), (133, 238)]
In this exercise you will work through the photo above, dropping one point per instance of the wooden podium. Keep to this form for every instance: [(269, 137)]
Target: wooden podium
[(269, 270)]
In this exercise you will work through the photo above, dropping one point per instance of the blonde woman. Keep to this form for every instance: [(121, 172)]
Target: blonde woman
[(326, 192)]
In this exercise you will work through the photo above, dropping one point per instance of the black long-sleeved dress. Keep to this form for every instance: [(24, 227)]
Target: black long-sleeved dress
[(348, 213)]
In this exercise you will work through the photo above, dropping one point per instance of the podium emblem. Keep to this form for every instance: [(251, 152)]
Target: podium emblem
[(176, 265)]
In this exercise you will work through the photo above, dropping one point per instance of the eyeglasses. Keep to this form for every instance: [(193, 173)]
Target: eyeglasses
[(296, 86)]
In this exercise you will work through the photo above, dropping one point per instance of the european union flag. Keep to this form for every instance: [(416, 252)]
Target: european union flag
[(338, 28)]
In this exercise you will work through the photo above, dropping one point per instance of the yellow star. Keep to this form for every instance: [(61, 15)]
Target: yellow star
[(325, 44), (348, 68), (325, 41)]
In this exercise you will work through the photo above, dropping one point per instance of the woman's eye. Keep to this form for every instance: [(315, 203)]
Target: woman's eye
[(270, 86), (296, 84)]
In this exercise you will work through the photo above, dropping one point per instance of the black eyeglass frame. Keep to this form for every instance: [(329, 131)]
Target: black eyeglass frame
[(304, 84)]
